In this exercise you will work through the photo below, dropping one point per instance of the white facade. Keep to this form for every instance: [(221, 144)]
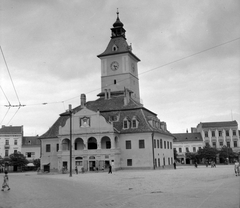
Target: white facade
[(218, 134), (10, 140)]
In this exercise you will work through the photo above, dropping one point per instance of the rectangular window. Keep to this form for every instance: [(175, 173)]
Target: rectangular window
[(6, 153), (206, 134), (129, 162), (161, 143), (141, 144), (125, 124), (154, 143), (234, 133), (29, 154), (15, 151), (6, 142), (155, 161), (108, 144), (214, 144), (159, 162), (221, 143), (213, 133), (57, 147), (15, 142), (168, 144), (180, 149), (187, 150), (227, 132), (164, 144), (128, 144), (220, 133), (158, 144), (235, 143), (228, 144), (194, 149), (134, 123), (48, 147)]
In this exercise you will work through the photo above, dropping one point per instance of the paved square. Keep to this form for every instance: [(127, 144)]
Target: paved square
[(185, 187)]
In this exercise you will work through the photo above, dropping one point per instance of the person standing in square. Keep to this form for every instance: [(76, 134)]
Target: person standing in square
[(5, 182)]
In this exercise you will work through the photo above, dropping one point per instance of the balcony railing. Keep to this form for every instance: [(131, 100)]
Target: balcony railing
[(6, 146)]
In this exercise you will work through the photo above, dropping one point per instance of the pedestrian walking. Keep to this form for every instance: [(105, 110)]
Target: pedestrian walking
[(76, 170), (174, 165), (5, 182), (195, 164), (110, 169), (236, 168)]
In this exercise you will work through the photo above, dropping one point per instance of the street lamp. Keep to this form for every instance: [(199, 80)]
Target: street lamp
[(69, 114)]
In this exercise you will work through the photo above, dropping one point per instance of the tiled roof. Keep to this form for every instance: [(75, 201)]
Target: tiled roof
[(113, 107), (218, 124), (122, 48), (30, 141), (186, 137), (11, 130)]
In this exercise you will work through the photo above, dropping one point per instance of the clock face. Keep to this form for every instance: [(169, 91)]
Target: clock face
[(114, 65)]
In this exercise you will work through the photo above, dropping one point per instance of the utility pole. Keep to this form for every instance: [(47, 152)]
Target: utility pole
[(69, 114)]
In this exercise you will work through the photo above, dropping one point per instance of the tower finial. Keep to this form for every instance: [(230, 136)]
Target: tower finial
[(117, 13)]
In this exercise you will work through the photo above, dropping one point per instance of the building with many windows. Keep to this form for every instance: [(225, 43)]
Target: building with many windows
[(218, 134), (10, 140), (116, 129), (187, 142)]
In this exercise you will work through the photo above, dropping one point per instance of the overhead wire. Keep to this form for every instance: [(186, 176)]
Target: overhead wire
[(147, 71), (10, 75)]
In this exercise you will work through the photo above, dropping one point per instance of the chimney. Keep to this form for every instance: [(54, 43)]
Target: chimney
[(126, 96), (83, 100), (109, 93), (106, 94), (163, 125)]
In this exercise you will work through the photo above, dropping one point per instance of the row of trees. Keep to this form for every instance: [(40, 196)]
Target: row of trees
[(225, 154), (17, 160)]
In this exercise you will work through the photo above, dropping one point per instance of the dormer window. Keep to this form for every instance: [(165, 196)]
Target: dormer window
[(113, 118), (114, 48), (125, 123), (134, 123)]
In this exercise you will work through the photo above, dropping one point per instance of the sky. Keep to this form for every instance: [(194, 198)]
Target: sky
[(190, 58)]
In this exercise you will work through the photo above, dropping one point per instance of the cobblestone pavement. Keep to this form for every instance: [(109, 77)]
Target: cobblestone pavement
[(186, 187)]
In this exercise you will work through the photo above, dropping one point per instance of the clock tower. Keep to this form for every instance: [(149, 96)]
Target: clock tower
[(119, 69)]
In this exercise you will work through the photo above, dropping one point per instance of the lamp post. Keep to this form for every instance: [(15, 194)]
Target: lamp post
[(69, 114)]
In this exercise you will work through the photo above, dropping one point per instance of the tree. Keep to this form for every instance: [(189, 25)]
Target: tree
[(18, 160), (208, 153), (192, 156), (227, 154), (36, 162)]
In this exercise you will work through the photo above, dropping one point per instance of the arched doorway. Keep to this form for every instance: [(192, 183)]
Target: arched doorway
[(92, 143)]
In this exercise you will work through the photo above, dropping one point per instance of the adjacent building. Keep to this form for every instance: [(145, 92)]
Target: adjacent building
[(31, 147), (10, 140), (187, 142), (218, 134), (116, 129)]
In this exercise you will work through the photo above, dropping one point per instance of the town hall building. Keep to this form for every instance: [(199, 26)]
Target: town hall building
[(116, 129)]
